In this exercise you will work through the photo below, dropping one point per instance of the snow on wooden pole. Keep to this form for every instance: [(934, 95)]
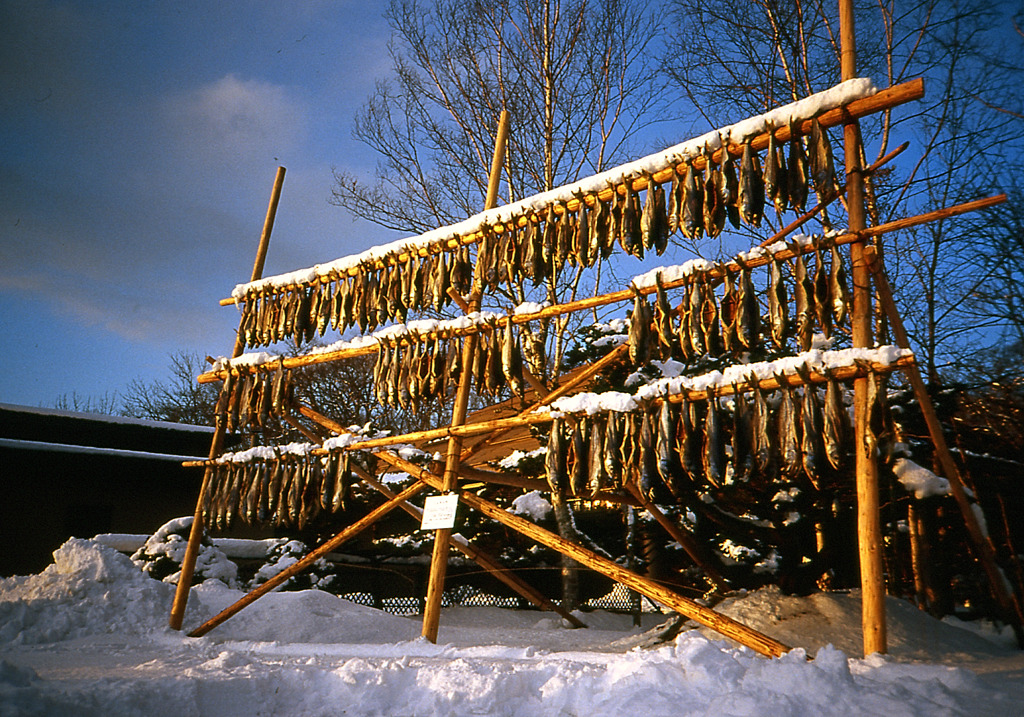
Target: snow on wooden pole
[(439, 556), (869, 529), (188, 562)]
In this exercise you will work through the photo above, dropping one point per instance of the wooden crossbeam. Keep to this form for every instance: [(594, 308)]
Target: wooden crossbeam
[(717, 272)]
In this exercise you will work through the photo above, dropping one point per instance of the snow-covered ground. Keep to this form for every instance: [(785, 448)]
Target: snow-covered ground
[(87, 637)]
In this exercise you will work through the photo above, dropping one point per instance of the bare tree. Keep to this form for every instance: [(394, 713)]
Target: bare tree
[(578, 79), (745, 57), (106, 404), (179, 399)]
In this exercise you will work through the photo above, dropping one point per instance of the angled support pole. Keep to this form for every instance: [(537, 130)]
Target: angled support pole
[(984, 549), (439, 556), (195, 536)]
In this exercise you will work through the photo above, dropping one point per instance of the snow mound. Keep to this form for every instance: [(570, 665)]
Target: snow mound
[(89, 589), (306, 616)]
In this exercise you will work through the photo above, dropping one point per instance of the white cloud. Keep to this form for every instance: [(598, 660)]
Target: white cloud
[(231, 119)]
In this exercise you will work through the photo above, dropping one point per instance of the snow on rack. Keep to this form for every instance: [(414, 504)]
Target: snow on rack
[(815, 360), (841, 94)]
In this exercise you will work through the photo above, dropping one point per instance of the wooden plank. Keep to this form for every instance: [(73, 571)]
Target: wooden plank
[(282, 577), (195, 536)]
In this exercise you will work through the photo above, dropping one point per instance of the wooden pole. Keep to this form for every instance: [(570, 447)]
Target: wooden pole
[(195, 536), (984, 548), (282, 577), (869, 529), (722, 624), (684, 539), (439, 556)]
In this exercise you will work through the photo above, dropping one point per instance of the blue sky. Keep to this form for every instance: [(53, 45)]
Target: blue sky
[(138, 147)]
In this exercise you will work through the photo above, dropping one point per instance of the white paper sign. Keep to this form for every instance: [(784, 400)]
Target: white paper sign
[(439, 511)]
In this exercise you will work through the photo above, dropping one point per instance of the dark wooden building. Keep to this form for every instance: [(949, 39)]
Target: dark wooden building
[(67, 474)]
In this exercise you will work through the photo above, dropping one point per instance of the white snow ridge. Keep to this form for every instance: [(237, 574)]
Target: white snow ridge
[(88, 636)]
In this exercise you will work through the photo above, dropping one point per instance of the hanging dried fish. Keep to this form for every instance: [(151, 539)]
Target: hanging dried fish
[(263, 512), (630, 236), (579, 461), (494, 373), (763, 444), (689, 439), (822, 298), (274, 484), (804, 298), (615, 210), (563, 240), (797, 174), (835, 422), (696, 318), (381, 368), (838, 288), (742, 437), (663, 321), (812, 445), (639, 329), (691, 219), (311, 491), (683, 333), (729, 315), (778, 309), (789, 433), (512, 360), (820, 162), (329, 471), (668, 456), (676, 198), (709, 319), (295, 487), (714, 446), (395, 374), (601, 243), (342, 482), (582, 245), (748, 312), (731, 183), (412, 381), (774, 173), (611, 455), (714, 196), (648, 453), (751, 187), (555, 459)]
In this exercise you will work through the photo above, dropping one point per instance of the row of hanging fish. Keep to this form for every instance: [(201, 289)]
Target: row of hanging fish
[(705, 323), (696, 203), (250, 399), (668, 450), (410, 369), (290, 490), (368, 299)]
